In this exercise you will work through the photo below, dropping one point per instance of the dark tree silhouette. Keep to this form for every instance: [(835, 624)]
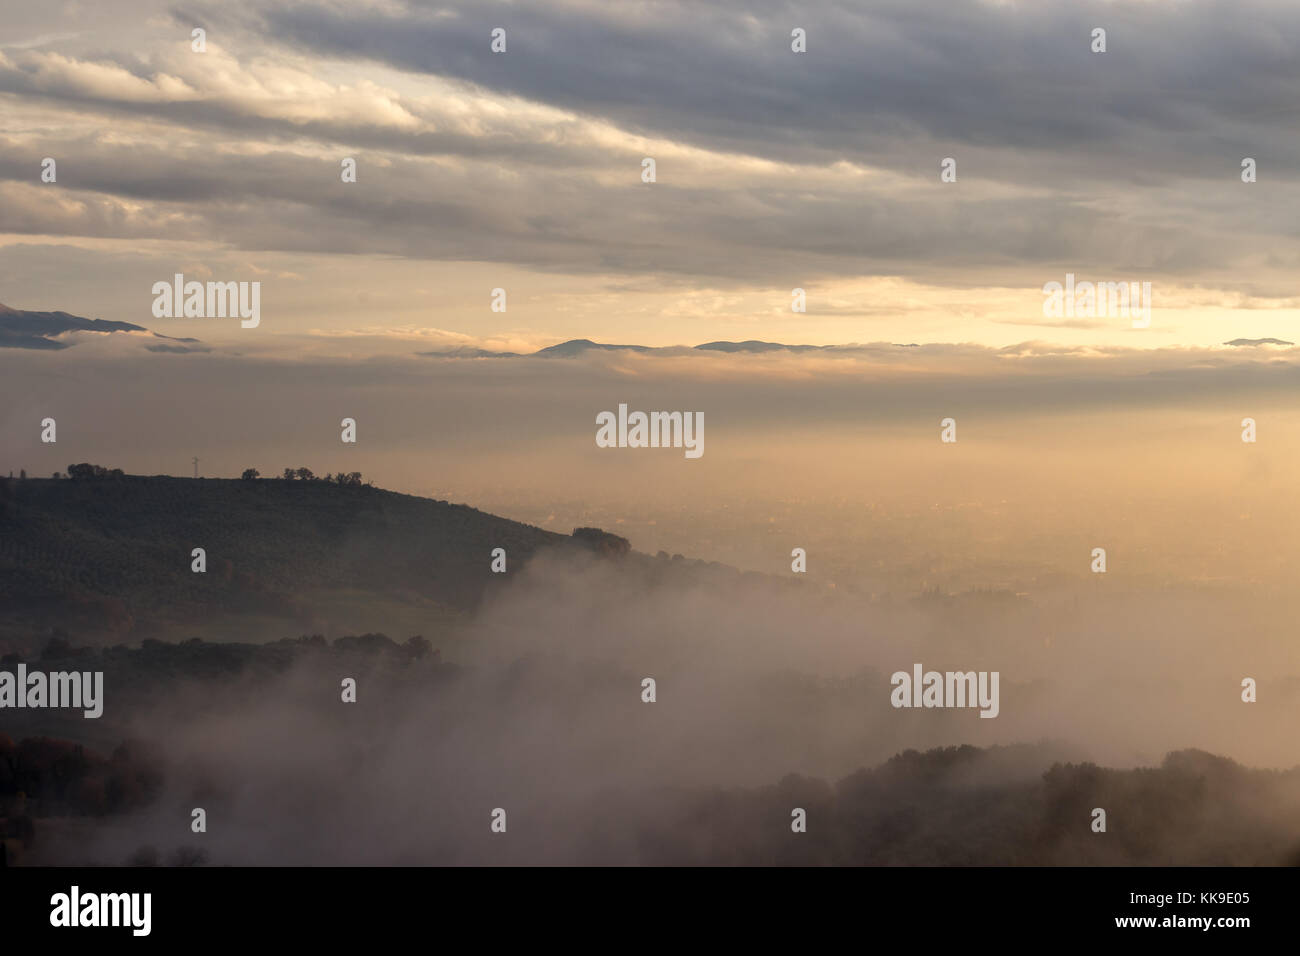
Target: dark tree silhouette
[(86, 471)]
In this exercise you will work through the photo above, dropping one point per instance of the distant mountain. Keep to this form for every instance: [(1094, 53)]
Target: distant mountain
[(39, 330), (1258, 342), (178, 349), (574, 348), (753, 345), (579, 346), (465, 351)]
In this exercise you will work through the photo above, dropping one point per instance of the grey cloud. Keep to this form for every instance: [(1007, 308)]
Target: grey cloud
[(1101, 161), (284, 202), (1007, 77)]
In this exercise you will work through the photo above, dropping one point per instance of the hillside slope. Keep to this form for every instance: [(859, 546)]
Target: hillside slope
[(114, 554)]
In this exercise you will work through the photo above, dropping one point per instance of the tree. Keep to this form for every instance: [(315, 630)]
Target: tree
[(87, 471), (188, 856), (144, 856), (250, 473), (288, 474), (57, 648), (304, 474), (22, 474), (602, 542)]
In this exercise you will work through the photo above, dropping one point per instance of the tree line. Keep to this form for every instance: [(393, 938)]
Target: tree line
[(85, 471), (350, 479)]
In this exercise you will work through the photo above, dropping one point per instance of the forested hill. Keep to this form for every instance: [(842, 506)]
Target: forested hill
[(113, 552)]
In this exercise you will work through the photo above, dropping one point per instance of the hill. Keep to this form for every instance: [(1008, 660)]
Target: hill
[(112, 555)]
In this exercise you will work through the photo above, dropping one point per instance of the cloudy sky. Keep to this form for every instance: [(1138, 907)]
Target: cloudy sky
[(774, 169)]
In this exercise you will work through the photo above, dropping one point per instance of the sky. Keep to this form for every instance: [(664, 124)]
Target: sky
[(774, 170)]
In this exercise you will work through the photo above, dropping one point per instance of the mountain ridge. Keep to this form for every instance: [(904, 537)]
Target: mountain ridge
[(42, 330)]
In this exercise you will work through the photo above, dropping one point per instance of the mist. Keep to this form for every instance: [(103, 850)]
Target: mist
[(537, 709)]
